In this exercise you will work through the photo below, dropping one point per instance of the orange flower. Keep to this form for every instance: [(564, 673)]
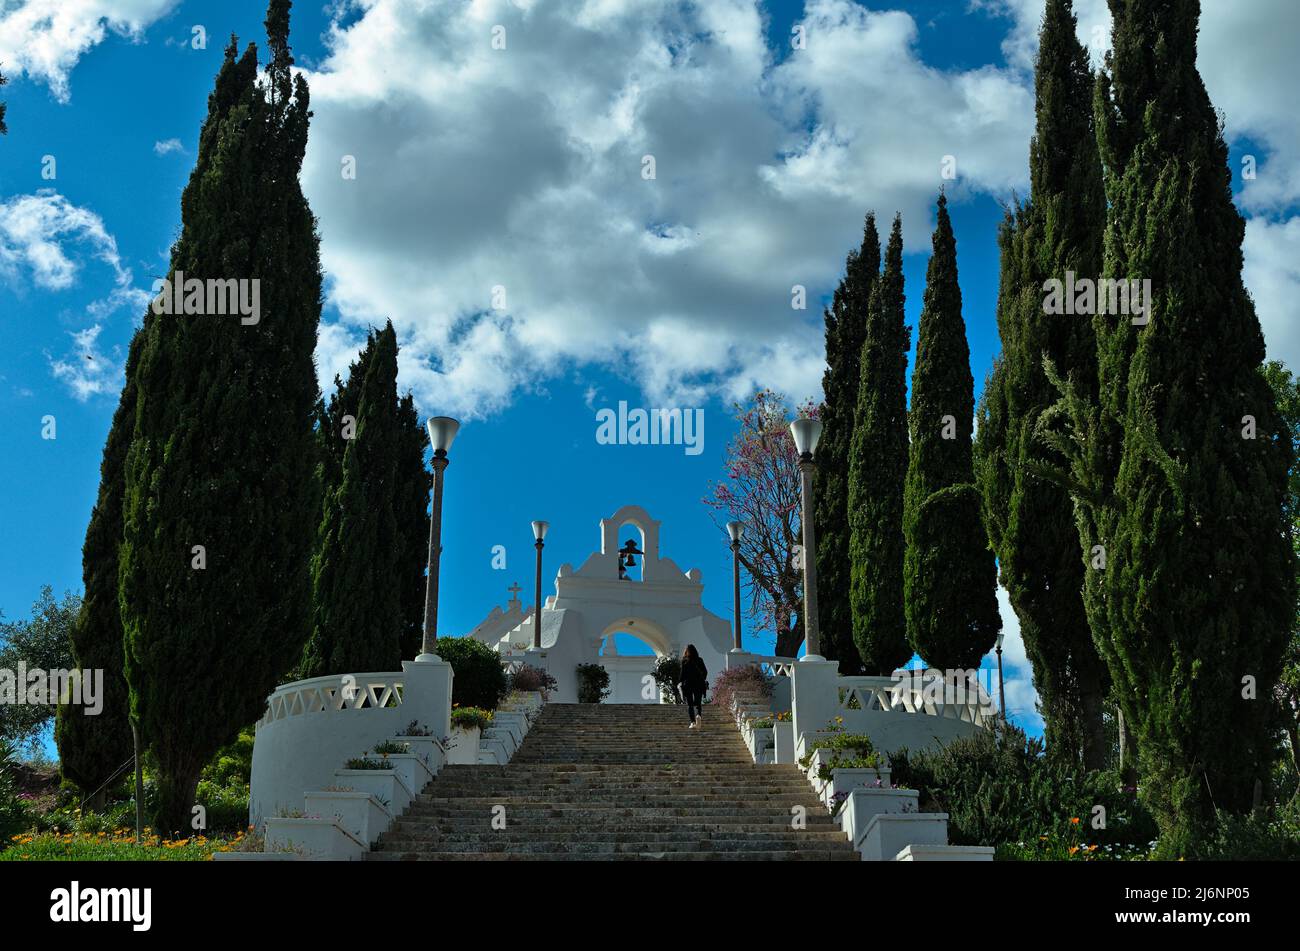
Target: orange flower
[(1073, 849), (1074, 821)]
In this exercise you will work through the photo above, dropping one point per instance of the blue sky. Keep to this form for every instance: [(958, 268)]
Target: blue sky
[(523, 171)]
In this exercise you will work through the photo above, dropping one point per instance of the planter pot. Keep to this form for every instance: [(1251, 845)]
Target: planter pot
[(384, 785), (413, 770), (846, 779), (823, 756), (945, 853), (803, 742), (496, 743), (357, 812), (887, 834), (463, 747), (515, 722), (863, 805), (313, 838), (428, 749), (783, 742), (760, 744), (530, 700)]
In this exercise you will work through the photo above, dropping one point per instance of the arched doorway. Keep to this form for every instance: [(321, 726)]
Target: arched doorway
[(629, 648)]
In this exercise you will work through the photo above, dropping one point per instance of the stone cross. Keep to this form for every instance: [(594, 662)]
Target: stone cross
[(514, 590)]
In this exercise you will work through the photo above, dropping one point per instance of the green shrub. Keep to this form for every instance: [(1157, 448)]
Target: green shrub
[(14, 817), (747, 680), (233, 764), (527, 678), (999, 788), (850, 751), (667, 674), (593, 683), (480, 680), (365, 762), (466, 718), (226, 808)]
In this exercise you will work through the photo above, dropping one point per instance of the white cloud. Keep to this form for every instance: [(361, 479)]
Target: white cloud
[(1272, 272), (87, 371), (1021, 45), (167, 147), (46, 240), (523, 168), (36, 232), (1022, 698), (44, 39)]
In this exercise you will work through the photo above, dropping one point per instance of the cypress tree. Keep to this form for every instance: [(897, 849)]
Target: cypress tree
[(1030, 518), (92, 749), (3, 127), (846, 329), (221, 455), (1181, 464), (877, 469), (414, 484), (949, 576), (356, 588)]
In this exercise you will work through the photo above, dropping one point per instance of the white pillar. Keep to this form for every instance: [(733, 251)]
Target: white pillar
[(814, 697), (427, 695)]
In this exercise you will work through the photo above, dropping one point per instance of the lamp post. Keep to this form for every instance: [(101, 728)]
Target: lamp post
[(1002, 696), (736, 530), (539, 533), (442, 431), (806, 431)]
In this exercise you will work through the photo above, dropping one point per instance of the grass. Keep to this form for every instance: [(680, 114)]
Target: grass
[(117, 846)]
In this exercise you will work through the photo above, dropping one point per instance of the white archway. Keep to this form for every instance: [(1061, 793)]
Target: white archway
[(664, 609)]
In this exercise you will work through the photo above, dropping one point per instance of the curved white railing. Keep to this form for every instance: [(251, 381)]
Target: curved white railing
[(773, 665), (925, 692), (336, 693)]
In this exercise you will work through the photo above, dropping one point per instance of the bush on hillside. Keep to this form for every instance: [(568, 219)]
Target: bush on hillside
[(593, 683), (999, 787), (744, 681), (667, 674), (13, 810), (480, 680), (527, 677)]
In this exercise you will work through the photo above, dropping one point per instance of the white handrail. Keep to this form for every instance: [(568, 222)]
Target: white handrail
[(337, 693), (923, 692)]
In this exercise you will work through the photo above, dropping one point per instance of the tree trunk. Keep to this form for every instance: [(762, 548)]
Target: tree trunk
[(789, 639), (177, 783), (1092, 730)]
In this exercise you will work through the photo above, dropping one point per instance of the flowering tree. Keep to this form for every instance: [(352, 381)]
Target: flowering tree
[(762, 490)]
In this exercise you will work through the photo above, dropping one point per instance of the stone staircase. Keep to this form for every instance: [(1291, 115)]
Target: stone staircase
[(618, 781)]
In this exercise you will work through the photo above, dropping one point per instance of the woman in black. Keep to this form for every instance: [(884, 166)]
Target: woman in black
[(694, 681)]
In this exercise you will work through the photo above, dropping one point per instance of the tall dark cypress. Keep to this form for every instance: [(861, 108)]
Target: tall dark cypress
[(1181, 493), (1030, 518), (356, 588), (949, 575), (221, 455), (877, 469), (93, 749), (414, 484), (3, 127), (846, 329)]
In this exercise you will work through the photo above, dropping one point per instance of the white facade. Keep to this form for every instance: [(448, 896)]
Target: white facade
[(590, 605)]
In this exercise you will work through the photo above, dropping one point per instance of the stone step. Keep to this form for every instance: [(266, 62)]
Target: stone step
[(613, 783), (427, 828), (800, 855), (606, 846)]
